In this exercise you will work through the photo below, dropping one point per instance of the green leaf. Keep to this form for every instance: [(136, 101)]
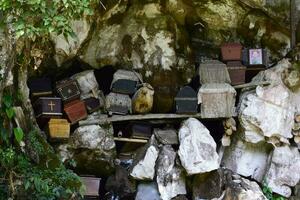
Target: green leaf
[(18, 134), (10, 112), (7, 100)]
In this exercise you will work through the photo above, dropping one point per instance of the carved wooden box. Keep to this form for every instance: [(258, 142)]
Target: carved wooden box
[(92, 104), (213, 71), (217, 100), (68, 90), (59, 128), (118, 103), (75, 111), (186, 101), (231, 51)]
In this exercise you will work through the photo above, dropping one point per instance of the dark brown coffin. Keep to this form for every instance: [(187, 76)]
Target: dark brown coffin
[(255, 57), (68, 90), (92, 185), (186, 101), (75, 111), (41, 87), (237, 75), (92, 104), (141, 130), (231, 51)]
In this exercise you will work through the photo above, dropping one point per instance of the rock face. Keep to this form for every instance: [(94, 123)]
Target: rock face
[(97, 150), (147, 191), (197, 150), (284, 171), (144, 168), (170, 178)]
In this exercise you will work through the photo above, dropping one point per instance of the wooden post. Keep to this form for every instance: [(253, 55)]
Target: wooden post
[(293, 13)]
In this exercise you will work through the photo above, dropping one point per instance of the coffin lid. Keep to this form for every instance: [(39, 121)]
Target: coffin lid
[(216, 88), (58, 121), (186, 92), (126, 74), (213, 71)]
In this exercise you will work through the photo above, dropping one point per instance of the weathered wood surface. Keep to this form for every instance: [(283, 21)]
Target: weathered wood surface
[(122, 139), (119, 118), (254, 84)]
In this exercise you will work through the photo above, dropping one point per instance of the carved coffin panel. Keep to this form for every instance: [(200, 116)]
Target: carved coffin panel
[(118, 103), (68, 90)]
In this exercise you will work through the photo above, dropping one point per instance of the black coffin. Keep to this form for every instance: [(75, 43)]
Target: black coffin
[(124, 86), (186, 101)]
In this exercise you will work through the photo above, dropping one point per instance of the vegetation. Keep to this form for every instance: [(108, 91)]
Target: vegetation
[(269, 193), (30, 24)]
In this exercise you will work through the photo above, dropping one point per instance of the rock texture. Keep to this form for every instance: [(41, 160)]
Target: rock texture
[(170, 178), (144, 168), (284, 171), (197, 150), (92, 148), (147, 191)]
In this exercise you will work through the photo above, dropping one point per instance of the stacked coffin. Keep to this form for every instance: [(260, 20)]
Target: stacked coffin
[(232, 56), (216, 95)]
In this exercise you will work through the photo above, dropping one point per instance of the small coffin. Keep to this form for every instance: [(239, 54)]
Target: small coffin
[(48, 106), (237, 75), (68, 90), (75, 111), (213, 71), (87, 81), (255, 57), (125, 82), (141, 130), (118, 103), (92, 185), (186, 100), (217, 100), (231, 51), (92, 104), (59, 128), (40, 87)]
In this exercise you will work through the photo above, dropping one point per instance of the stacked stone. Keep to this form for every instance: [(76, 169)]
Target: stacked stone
[(229, 127), (296, 129)]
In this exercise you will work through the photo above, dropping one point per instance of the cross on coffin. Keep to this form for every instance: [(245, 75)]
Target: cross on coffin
[(51, 105)]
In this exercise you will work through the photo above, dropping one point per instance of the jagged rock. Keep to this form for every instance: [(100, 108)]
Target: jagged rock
[(144, 166), (166, 136), (170, 178), (147, 191), (92, 148), (284, 171), (266, 113), (197, 150), (247, 159), (243, 189), (209, 185), (120, 184)]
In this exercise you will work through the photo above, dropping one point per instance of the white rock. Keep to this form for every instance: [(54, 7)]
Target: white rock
[(247, 159), (170, 178), (284, 171), (145, 167), (226, 141), (197, 150), (250, 190), (147, 191)]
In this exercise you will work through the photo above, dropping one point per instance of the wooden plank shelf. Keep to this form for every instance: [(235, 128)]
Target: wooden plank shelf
[(123, 118), (133, 140)]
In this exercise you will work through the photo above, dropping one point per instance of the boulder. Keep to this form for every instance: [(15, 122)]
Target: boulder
[(247, 159), (92, 148), (170, 178), (284, 171), (197, 150), (166, 136), (147, 191), (144, 165)]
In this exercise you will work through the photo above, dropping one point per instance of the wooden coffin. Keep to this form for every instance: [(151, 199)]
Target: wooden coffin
[(92, 104), (237, 75), (92, 186), (186, 101), (166, 136), (59, 128), (125, 82), (213, 71), (141, 130), (231, 51), (87, 81), (118, 103), (217, 100), (68, 90), (41, 87), (75, 111), (255, 57), (48, 106)]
